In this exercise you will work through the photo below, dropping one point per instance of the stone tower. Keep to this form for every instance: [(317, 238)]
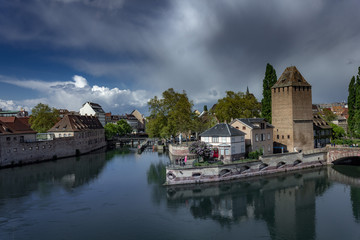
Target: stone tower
[(292, 112)]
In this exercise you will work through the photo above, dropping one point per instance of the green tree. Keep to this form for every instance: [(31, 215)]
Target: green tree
[(337, 131), (357, 105), (351, 105), (329, 115), (110, 130), (169, 115), (236, 105), (205, 108), (123, 127), (43, 118), (269, 81), (120, 128)]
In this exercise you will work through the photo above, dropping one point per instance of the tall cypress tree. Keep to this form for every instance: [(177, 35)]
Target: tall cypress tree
[(351, 104), (357, 104), (269, 81)]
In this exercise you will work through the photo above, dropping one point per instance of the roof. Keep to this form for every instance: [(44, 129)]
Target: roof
[(320, 123), (14, 125), (250, 122), (291, 77), (95, 106), (222, 130), (76, 123)]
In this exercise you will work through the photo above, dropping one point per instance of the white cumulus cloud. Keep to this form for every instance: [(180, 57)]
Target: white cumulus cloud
[(72, 94)]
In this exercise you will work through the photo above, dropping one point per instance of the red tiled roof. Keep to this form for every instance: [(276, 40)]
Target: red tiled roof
[(76, 123), (14, 125)]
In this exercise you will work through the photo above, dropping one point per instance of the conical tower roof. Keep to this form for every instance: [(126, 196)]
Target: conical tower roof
[(291, 77)]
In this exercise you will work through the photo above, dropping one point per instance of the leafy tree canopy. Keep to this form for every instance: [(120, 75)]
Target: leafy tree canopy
[(170, 115), (43, 118), (120, 128), (236, 105), (338, 132), (329, 115)]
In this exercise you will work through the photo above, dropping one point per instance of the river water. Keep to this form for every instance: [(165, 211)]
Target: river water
[(119, 195)]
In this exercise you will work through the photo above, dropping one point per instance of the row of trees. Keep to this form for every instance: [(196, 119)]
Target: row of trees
[(172, 114), (354, 105)]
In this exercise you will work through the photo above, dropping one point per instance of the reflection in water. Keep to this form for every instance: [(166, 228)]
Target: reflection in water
[(349, 175), (286, 203), (68, 173), (156, 176)]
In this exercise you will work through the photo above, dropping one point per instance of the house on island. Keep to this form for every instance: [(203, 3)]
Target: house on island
[(93, 109), (259, 134), (229, 141)]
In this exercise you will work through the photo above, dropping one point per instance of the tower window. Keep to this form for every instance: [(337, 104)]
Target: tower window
[(277, 136), (288, 136), (282, 136)]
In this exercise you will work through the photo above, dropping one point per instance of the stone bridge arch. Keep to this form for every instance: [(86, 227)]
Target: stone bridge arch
[(338, 155)]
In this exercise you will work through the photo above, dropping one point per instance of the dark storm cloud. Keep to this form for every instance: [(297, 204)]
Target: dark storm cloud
[(204, 47)]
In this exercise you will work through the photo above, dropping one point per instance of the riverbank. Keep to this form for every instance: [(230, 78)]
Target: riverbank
[(267, 165)]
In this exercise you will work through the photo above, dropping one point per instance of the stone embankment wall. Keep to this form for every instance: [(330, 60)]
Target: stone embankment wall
[(17, 153), (270, 164)]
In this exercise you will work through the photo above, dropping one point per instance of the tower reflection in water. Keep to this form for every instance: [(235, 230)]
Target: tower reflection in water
[(283, 202)]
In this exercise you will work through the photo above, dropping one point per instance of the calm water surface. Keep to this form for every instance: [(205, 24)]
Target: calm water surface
[(119, 195)]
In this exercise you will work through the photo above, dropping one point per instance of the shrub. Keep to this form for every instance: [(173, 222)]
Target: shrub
[(255, 154)]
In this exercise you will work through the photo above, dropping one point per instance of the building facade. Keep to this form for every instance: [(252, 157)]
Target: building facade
[(292, 116), (71, 136), (93, 109), (229, 141), (259, 134), (322, 132)]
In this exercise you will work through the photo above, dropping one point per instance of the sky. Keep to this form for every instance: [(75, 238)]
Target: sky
[(121, 53)]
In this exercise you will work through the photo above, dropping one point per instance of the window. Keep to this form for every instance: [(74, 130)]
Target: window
[(269, 148), (15, 138), (8, 138), (256, 138), (268, 136), (223, 139), (60, 135), (227, 152), (282, 136), (243, 128), (277, 136), (215, 139), (21, 139), (288, 136), (221, 151)]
